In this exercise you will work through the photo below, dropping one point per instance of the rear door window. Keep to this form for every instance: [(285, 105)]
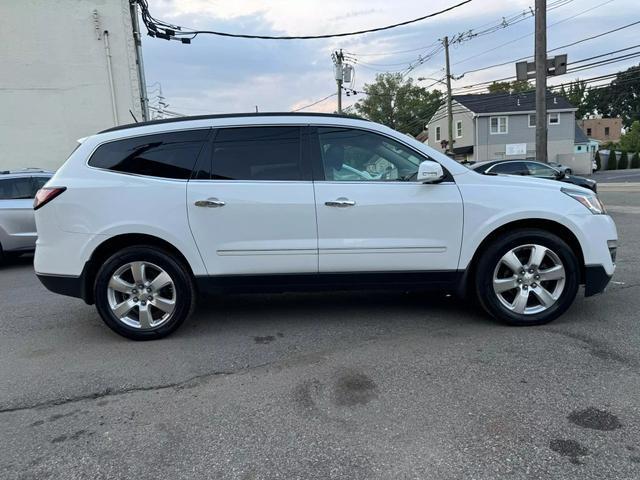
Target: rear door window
[(166, 155), (257, 153), (16, 188)]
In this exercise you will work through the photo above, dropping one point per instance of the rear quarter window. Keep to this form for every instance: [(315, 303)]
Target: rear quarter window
[(165, 155)]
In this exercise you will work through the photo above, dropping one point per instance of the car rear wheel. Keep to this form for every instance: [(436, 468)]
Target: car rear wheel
[(143, 293), (528, 277)]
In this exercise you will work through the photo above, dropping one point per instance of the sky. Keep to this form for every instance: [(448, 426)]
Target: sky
[(221, 75)]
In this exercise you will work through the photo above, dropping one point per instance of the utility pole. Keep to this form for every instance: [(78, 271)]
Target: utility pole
[(338, 58), (541, 81), (449, 99), (144, 99)]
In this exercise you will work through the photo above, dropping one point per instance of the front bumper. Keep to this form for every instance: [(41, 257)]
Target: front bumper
[(596, 280)]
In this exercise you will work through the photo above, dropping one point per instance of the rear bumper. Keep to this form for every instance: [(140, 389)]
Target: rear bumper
[(64, 285), (596, 280)]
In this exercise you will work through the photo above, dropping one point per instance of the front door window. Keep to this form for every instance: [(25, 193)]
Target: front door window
[(357, 155)]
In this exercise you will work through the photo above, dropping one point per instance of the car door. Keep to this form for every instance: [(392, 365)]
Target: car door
[(372, 214), (251, 203)]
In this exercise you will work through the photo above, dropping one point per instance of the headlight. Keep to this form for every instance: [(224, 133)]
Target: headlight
[(589, 200)]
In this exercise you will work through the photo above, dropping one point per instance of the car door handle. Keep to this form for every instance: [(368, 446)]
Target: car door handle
[(210, 203), (340, 203)]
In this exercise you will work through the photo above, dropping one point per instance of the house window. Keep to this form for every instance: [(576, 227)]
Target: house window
[(437, 134), (554, 119), (458, 129), (498, 125), (532, 119), (606, 131), (588, 132)]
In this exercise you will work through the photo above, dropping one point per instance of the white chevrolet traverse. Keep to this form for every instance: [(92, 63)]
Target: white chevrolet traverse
[(142, 218)]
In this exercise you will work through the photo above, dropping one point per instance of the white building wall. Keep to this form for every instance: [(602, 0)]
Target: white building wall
[(54, 84)]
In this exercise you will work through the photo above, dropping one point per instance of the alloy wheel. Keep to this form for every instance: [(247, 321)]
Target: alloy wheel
[(529, 279), (141, 295)]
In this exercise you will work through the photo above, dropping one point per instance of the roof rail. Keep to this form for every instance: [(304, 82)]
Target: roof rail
[(25, 170), (227, 115)]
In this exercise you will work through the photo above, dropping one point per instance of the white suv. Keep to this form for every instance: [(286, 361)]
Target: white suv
[(142, 218)]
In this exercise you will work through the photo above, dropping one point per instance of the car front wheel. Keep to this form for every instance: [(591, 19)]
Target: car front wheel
[(143, 293), (527, 277)]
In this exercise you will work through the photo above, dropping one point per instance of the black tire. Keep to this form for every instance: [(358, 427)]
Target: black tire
[(185, 292), (489, 261)]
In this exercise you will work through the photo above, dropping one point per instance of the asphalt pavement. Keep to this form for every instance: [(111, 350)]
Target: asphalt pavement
[(616, 176), (325, 386)]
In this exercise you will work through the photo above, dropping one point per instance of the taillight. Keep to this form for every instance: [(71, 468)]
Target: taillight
[(45, 195)]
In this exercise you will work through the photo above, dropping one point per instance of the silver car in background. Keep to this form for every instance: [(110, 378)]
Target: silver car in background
[(17, 224)]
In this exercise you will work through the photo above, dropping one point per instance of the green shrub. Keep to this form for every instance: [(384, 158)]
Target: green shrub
[(598, 161), (612, 163), (623, 162), (635, 161)]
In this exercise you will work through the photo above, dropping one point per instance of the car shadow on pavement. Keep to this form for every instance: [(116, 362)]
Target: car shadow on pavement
[(9, 260)]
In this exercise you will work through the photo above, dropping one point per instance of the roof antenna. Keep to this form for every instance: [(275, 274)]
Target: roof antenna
[(134, 117)]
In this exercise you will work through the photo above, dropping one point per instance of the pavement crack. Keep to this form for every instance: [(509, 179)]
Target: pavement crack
[(183, 384), (597, 348), (111, 392)]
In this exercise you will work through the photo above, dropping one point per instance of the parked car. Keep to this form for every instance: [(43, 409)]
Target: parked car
[(17, 223), (534, 169), (142, 219), (561, 167)]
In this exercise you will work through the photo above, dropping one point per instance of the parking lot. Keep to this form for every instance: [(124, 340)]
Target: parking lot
[(319, 386)]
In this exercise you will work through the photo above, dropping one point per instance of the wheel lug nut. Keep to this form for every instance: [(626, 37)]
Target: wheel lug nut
[(534, 285), (149, 298), (140, 286), (525, 287), (143, 303), (134, 291), (537, 277), (135, 299), (149, 289)]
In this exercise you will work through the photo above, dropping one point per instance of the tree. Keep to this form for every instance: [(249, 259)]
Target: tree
[(398, 103), (598, 161), (612, 162), (630, 141), (621, 98), (576, 95), (635, 161), (517, 86), (623, 162)]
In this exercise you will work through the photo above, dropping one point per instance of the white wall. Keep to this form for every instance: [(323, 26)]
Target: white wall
[(54, 86), (580, 163)]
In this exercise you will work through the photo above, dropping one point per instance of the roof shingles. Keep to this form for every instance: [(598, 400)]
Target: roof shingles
[(510, 102)]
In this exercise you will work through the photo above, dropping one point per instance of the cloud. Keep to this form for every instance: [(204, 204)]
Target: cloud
[(216, 74)]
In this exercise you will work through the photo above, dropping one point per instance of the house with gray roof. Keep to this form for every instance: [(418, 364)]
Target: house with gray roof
[(497, 126)]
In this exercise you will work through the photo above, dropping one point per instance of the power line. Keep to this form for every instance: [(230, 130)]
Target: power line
[(316, 102), (530, 34), (160, 29), (509, 62), (504, 22)]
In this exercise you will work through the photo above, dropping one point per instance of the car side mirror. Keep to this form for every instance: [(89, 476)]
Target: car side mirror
[(430, 172), (560, 174)]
